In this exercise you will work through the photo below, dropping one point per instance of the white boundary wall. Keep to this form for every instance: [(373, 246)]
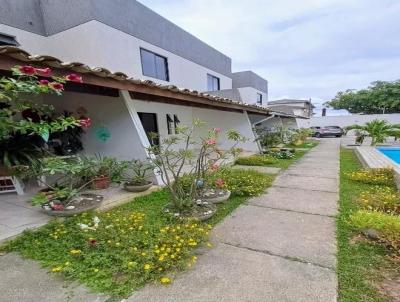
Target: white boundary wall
[(347, 120)]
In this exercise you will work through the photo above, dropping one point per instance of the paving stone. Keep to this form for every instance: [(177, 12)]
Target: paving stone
[(307, 182), (230, 274), (306, 170), (313, 202), (23, 280), (288, 234)]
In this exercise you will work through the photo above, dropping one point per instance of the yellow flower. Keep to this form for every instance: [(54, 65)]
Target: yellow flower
[(67, 263), (96, 270), (143, 254), (131, 263), (147, 266), (117, 244), (75, 252), (165, 280), (161, 258), (56, 269)]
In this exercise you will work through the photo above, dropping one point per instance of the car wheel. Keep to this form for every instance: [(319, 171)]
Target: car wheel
[(318, 134)]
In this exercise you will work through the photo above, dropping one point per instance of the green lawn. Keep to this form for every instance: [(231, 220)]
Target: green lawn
[(285, 163), (306, 145), (133, 244), (359, 264)]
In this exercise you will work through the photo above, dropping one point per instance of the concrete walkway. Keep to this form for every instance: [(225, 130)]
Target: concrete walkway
[(279, 247)]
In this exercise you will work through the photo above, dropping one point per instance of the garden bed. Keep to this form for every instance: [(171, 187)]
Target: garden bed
[(120, 250), (363, 264), (269, 161)]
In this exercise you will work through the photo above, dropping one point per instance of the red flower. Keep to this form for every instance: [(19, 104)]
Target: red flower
[(210, 141), (44, 82), (45, 72), (57, 207), (74, 78), (93, 242), (27, 69), (219, 182), (85, 123), (56, 86)]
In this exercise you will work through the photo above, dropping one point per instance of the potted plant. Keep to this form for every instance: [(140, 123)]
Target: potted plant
[(176, 152), (137, 180), (102, 171), (64, 193)]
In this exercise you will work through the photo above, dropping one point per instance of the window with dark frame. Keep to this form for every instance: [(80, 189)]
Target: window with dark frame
[(176, 123), (170, 122), (259, 98), (212, 83), (154, 65)]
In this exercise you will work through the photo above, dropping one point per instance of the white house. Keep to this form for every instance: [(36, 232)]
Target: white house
[(124, 36), (127, 108)]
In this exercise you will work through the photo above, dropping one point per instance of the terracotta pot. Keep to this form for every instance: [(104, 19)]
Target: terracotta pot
[(101, 183), (137, 188)]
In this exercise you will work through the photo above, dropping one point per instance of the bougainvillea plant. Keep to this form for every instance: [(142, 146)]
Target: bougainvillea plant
[(18, 95)]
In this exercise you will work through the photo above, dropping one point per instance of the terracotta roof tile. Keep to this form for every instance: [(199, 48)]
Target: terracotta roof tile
[(24, 56)]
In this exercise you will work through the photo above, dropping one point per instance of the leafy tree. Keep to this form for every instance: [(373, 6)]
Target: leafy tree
[(379, 97), (378, 130)]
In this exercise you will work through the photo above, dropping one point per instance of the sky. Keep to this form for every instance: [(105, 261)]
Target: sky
[(304, 48)]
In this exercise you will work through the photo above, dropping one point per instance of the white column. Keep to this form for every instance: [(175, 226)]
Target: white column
[(129, 103)]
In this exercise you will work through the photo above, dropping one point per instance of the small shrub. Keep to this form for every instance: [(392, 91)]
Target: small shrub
[(381, 198), (244, 182), (255, 160), (387, 225), (382, 176), (283, 154)]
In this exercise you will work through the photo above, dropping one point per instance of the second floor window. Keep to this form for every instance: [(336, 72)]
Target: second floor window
[(154, 65), (259, 98), (212, 83)]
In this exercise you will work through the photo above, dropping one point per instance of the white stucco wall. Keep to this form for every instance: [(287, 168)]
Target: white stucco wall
[(99, 45), (347, 120), (109, 112), (214, 119), (249, 95)]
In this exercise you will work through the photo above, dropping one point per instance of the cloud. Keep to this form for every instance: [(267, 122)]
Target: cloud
[(307, 48)]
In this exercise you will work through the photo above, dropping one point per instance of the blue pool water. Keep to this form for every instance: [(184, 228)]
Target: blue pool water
[(392, 153)]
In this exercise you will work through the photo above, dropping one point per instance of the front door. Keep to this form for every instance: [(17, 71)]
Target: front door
[(150, 125)]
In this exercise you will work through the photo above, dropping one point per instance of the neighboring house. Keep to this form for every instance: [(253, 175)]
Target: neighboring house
[(303, 108), (125, 36), (247, 87)]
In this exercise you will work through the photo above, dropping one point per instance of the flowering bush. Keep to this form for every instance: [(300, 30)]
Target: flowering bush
[(255, 160), (387, 226), (382, 176), (282, 154), (242, 182), (381, 198), (169, 158), (120, 250), (20, 117)]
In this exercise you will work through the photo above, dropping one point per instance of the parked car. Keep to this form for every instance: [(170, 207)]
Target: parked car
[(327, 131)]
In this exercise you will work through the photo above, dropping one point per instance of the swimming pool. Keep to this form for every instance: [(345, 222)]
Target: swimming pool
[(392, 153)]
